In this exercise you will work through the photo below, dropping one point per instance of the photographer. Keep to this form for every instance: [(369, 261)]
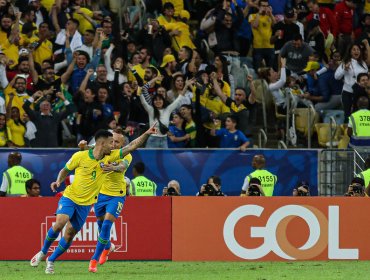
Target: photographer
[(356, 188), (212, 188), (302, 189), (172, 189), (254, 188)]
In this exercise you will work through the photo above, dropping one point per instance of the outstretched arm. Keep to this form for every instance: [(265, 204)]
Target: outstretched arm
[(138, 142)]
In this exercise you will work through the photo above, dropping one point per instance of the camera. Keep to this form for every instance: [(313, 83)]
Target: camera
[(254, 190), (209, 190), (171, 191), (356, 188)]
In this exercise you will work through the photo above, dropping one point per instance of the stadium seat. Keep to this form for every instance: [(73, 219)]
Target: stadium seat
[(301, 119), (323, 134)]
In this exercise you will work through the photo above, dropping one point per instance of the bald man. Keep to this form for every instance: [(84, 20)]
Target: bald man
[(268, 180)]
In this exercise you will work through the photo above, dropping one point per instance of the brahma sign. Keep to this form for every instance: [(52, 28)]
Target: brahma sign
[(236, 228), (142, 232)]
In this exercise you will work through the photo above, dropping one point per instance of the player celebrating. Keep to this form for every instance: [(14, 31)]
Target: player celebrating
[(75, 204), (110, 201)]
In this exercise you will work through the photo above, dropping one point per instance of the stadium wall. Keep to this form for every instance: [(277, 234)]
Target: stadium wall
[(190, 167), (203, 229)]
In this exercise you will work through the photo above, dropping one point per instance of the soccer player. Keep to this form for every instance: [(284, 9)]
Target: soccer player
[(75, 204), (110, 201)]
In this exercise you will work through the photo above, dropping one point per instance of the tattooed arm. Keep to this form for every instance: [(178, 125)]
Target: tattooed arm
[(138, 141)]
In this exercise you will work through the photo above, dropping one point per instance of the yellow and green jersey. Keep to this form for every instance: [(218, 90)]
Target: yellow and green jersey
[(115, 183), (89, 176)]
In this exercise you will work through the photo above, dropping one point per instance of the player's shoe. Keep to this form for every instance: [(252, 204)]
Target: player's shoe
[(49, 267), (104, 256), (93, 266), (35, 261)]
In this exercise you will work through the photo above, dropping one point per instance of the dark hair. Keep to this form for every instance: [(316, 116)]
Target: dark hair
[(5, 129), (139, 167), (358, 180), (48, 68), (348, 57), (359, 76), (91, 31), (153, 70), (75, 21), (103, 134), (297, 36), (86, 55), (225, 71), (216, 180), (189, 52), (21, 59), (233, 118), (29, 183), (106, 21), (168, 5), (255, 181), (156, 111), (148, 51), (241, 88)]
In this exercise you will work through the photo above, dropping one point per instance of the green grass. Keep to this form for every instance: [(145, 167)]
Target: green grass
[(191, 270)]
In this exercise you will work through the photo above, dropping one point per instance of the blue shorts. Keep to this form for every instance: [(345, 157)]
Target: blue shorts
[(109, 204), (77, 213)]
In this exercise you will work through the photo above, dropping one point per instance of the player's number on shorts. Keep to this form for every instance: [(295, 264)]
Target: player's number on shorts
[(93, 175), (119, 207)]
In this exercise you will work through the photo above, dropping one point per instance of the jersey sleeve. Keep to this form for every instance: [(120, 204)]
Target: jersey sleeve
[(73, 162), (127, 160), (115, 155)]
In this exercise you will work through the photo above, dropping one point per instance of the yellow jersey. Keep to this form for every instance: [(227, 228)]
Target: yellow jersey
[(115, 183), (43, 52), (84, 23), (184, 39), (18, 100), (89, 176), (263, 33), (17, 132), (178, 4)]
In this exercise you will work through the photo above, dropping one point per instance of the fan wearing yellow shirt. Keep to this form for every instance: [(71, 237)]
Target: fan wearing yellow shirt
[(74, 206)]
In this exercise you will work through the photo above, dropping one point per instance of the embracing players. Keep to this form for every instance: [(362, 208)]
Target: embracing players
[(75, 204)]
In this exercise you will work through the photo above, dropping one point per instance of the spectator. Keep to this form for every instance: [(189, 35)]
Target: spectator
[(315, 39), (226, 25), (360, 89), (297, 54), (185, 55), (359, 124), (5, 134), (230, 137), (15, 177), (186, 112), (141, 185), (48, 83), (326, 17), (33, 188), (155, 38), (180, 32), (42, 49), (41, 14), (212, 188), (24, 70), (159, 113), (329, 87), (145, 56), (108, 66), (283, 32), (3, 64), (168, 68), (262, 23), (15, 123), (344, 15), (352, 65), (168, 12), (178, 84), (47, 123), (268, 180), (172, 189), (221, 65), (177, 137)]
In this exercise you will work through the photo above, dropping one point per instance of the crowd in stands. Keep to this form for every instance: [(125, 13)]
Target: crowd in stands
[(195, 68)]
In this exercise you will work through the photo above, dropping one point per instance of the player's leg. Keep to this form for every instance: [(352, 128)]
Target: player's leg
[(61, 220), (77, 220), (113, 209)]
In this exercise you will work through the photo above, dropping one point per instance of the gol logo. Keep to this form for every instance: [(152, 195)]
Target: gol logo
[(275, 238)]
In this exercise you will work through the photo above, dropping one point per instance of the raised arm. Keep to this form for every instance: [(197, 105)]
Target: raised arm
[(65, 77), (138, 142), (107, 60)]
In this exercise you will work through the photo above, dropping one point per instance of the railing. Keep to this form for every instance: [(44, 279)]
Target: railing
[(357, 168), (282, 145), (262, 133), (332, 129), (265, 89)]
